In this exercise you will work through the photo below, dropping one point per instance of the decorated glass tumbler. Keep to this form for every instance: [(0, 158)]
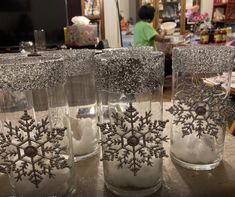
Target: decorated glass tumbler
[(81, 95), (201, 84), (35, 140), (131, 140)]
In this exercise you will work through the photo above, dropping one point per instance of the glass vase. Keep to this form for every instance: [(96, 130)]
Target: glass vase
[(201, 85), (35, 141), (130, 88), (81, 95)]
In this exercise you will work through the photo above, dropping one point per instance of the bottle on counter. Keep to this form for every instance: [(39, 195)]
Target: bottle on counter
[(217, 36), (223, 35), (66, 36), (229, 30), (204, 36), (211, 35)]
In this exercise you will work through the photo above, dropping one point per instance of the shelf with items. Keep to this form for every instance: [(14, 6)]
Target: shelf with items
[(91, 8), (169, 11), (169, 18), (94, 10), (223, 11), (224, 21)]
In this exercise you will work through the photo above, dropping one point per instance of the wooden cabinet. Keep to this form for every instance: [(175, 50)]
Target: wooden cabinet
[(94, 10), (224, 11)]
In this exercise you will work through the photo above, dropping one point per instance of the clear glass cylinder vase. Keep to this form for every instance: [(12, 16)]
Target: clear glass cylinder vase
[(35, 141), (82, 101), (201, 85), (131, 123)]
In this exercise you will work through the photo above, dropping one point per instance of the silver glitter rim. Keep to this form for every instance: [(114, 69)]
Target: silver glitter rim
[(129, 71), (77, 61), (203, 59), (143, 48), (26, 73)]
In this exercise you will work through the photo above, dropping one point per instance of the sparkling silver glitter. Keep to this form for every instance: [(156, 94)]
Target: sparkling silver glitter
[(77, 61), (203, 59), (18, 73), (130, 70), (144, 48)]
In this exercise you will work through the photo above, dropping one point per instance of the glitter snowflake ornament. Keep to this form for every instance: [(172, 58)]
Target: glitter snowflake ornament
[(31, 150), (133, 140), (200, 109), (201, 84), (35, 141)]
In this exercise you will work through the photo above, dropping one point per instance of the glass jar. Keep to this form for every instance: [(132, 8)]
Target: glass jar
[(130, 83), (82, 100), (34, 132), (103, 95), (223, 35), (229, 30), (201, 84), (217, 36), (204, 37), (26, 47), (40, 39), (211, 35)]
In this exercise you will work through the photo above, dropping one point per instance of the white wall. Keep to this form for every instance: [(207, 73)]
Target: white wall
[(207, 6), (189, 4), (124, 7), (111, 23)]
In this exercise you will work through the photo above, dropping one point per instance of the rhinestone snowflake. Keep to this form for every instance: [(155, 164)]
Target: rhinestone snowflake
[(201, 109), (31, 150), (133, 140)]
